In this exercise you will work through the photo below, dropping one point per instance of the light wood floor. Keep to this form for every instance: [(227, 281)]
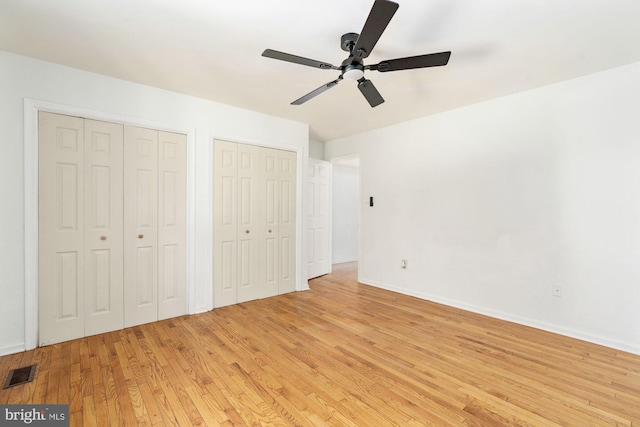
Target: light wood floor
[(341, 354)]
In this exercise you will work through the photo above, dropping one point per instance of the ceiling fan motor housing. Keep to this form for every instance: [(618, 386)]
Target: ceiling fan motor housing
[(348, 41)]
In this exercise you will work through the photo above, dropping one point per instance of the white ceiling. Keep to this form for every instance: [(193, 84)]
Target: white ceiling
[(212, 49)]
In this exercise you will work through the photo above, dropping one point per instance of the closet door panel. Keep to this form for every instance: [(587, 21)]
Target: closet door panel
[(103, 206), (172, 225), (287, 222), (249, 223), (61, 228), (310, 209), (225, 223), (269, 242), (140, 225)]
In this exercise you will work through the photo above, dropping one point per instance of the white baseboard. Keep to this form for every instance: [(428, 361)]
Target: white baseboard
[(305, 287), (11, 349), (581, 335)]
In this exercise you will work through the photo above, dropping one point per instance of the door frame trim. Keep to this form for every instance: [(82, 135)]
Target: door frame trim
[(31, 155)]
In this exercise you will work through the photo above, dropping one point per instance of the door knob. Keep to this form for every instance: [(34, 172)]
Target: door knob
[(140, 236), (103, 237), (247, 231), (269, 231)]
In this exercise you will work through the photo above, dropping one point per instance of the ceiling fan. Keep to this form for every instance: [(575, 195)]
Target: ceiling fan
[(359, 47)]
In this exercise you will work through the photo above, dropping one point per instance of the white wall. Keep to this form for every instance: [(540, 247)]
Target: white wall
[(316, 150), (22, 77), (345, 215), (495, 203)]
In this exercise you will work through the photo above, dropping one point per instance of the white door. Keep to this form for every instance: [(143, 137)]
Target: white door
[(61, 228), (103, 186), (318, 218), (80, 227), (140, 226), (172, 225), (269, 242), (254, 222), (225, 251), (250, 213), (108, 260), (287, 221)]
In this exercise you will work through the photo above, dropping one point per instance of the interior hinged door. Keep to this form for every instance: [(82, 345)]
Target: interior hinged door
[(318, 213)]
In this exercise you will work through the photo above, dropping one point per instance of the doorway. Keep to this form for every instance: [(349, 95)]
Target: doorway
[(346, 209)]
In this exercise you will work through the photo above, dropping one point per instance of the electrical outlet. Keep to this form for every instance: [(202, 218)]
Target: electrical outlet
[(403, 264), (557, 291)]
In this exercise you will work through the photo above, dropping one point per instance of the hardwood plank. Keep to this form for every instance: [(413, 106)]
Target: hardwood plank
[(212, 414), (342, 354), (155, 415), (75, 394), (54, 372), (89, 417), (137, 402), (42, 377), (100, 401)]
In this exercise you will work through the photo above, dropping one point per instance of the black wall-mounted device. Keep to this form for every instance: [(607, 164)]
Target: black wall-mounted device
[(370, 201)]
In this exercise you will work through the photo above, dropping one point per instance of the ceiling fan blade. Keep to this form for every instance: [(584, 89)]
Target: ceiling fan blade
[(274, 54), (379, 17), (421, 61), (370, 92), (316, 92)]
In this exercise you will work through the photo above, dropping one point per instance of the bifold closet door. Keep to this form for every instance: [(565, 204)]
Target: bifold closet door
[(225, 223), (250, 220), (172, 225), (270, 227), (112, 226), (80, 227), (155, 225), (140, 226), (103, 227), (254, 222), (287, 221)]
